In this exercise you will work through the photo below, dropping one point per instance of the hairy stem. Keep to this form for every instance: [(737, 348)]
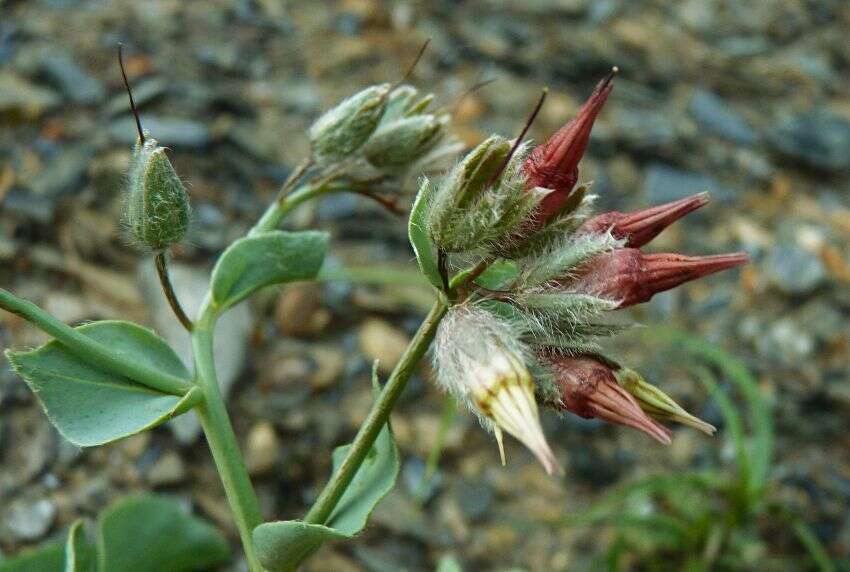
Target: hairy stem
[(168, 290), (93, 352), (368, 432), (222, 441), (280, 208)]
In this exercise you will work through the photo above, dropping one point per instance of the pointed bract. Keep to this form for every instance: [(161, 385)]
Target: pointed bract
[(640, 227), (632, 277), (589, 389), (658, 404), (554, 164)]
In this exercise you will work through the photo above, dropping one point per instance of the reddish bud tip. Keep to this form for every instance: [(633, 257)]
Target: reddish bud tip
[(589, 389), (633, 277), (638, 228), (554, 164)]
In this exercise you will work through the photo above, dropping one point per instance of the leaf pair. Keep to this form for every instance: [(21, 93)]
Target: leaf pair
[(92, 404), (137, 534)]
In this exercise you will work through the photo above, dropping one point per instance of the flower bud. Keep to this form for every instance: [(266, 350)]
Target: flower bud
[(401, 142), (638, 228), (554, 164), (157, 207), (343, 129), (658, 404), (632, 277), (402, 102), (589, 389), (479, 360)]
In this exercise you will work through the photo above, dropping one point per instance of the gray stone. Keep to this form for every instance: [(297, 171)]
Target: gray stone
[(819, 139), (169, 131), (63, 173), (26, 205), (144, 91), (75, 83), (664, 183), (20, 97), (231, 335), (713, 114), (794, 270), (645, 130), (28, 519)]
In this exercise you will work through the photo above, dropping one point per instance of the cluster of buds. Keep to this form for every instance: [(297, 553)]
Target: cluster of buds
[(567, 270), (374, 138)]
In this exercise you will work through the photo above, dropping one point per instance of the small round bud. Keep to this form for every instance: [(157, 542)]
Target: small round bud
[(401, 142), (343, 129), (157, 203)]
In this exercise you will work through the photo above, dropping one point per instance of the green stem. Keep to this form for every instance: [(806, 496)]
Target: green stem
[(222, 441), (377, 417), (280, 208), (93, 352)]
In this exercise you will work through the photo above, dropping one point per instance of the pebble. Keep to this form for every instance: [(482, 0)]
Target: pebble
[(794, 270), (299, 310), (664, 183), (168, 131), (819, 139), (383, 342), (715, 115), (76, 84), (168, 470), (19, 97), (24, 204), (262, 449), (28, 519)]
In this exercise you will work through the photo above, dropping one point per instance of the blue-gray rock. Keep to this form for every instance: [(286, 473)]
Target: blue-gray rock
[(794, 270), (714, 115), (664, 183), (63, 173), (645, 130), (64, 73), (144, 91), (819, 139), (26, 205), (169, 131)]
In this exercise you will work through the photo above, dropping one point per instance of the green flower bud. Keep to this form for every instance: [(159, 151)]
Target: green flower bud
[(343, 129), (466, 181), (401, 142), (658, 404), (157, 203)]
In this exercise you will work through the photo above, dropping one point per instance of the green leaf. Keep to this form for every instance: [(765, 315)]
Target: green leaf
[(282, 545), (449, 563), (264, 259), (146, 533), (47, 558), (418, 234), (79, 554), (499, 275), (92, 406)]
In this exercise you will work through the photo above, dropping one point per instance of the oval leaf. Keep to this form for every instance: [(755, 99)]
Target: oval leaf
[(91, 406), (268, 258), (146, 533), (419, 236), (282, 545), (47, 558), (79, 554), (499, 275)]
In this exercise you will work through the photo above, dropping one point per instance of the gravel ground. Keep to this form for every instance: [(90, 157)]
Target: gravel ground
[(748, 100)]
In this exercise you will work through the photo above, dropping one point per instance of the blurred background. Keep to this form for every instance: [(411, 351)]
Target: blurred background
[(747, 100)]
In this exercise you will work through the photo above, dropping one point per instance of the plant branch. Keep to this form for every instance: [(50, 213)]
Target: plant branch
[(222, 441), (380, 412), (168, 289), (93, 352)]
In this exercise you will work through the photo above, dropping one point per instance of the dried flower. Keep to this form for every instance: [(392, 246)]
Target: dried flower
[(479, 361), (658, 404), (589, 389), (632, 277), (638, 228), (554, 164)]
